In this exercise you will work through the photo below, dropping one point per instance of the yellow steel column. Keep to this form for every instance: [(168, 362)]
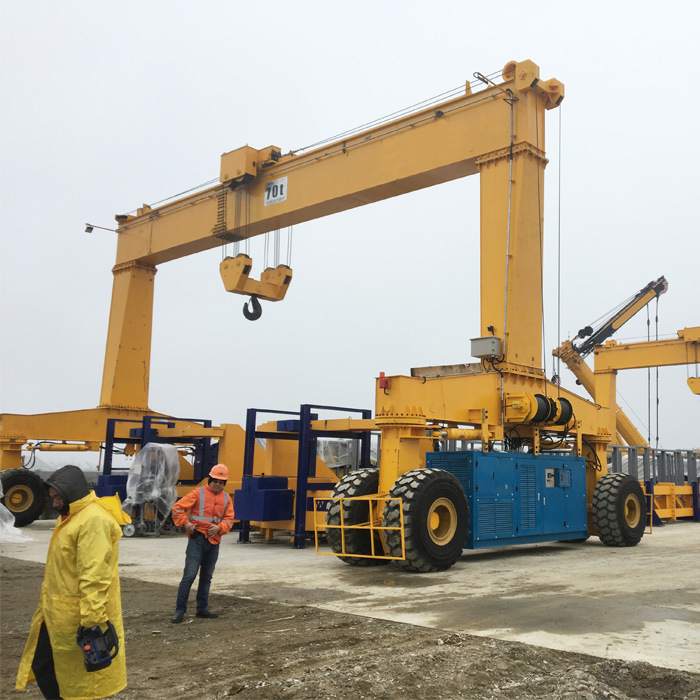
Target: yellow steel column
[(511, 256), (512, 196), (595, 451), (128, 354), (11, 454), (604, 396), (403, 448)]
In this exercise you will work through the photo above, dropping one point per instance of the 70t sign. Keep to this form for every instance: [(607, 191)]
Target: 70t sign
[(276, 191)]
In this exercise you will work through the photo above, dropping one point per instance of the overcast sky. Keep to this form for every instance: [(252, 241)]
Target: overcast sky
[(108, 105)]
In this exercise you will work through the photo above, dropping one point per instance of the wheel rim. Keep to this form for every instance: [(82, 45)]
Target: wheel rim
[(442, 521), (632, 511), (19, 498)]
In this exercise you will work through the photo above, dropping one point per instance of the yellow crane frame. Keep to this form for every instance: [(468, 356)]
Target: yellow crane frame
[(497, 133)]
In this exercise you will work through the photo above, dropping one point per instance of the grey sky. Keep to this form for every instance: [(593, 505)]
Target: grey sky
[(105, 106)]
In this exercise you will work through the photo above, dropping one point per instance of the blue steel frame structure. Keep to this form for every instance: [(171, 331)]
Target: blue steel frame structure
[(301, 428)]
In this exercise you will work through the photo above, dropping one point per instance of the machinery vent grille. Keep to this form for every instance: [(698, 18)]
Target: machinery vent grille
[(495, 519), (528, 497)]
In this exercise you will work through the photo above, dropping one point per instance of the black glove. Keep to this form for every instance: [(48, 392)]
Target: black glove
[(97, 646)]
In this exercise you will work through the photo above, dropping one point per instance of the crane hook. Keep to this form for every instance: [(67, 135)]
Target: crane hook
[(255, 312)]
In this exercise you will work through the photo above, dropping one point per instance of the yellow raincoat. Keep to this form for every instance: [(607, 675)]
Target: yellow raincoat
[(81, 587)]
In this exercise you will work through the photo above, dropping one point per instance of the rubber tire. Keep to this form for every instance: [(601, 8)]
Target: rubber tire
[(419, 490), (361, 482), (31, 508), (609, 499)]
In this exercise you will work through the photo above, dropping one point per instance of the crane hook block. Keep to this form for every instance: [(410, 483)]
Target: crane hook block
[(272, 286), (255, 312)]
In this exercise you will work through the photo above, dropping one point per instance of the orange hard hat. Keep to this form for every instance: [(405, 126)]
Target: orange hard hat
[(219, 471)]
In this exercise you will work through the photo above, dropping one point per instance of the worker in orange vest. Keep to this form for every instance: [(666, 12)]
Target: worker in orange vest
[(206, 513)]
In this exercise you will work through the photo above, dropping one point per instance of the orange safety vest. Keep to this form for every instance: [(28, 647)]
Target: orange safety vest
[(202, 507)]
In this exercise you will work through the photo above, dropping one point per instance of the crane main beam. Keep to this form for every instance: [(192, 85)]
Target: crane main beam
[(683, 350)]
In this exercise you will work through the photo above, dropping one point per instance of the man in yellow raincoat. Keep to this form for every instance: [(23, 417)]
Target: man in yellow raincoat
[(80, 589)]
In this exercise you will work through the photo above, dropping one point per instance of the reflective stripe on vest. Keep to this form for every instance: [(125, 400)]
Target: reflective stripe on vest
[(201, 517)]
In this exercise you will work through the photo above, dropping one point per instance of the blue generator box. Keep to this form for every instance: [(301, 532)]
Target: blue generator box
[(515, 498)]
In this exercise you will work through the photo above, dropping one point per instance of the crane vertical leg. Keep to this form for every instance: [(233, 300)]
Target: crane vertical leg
[(128, 355)]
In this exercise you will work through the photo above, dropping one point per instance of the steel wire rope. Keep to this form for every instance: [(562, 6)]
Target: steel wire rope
[(428, 102), (179, 194), (375, 122), (340, 149), (604, 319), (631, 409), (343, 148), (559, 159), (656, 330), (511, 103), (246, 192), (648, 382), (541, 242)]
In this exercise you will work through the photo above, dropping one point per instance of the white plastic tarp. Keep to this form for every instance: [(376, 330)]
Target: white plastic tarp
[(152, 478)]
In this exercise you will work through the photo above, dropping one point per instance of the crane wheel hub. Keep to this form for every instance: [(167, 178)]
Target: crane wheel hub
[(633, 511), (20, 497), (442, 521)]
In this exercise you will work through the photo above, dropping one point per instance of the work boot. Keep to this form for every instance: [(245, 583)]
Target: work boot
[(206, 613), (179, 616)]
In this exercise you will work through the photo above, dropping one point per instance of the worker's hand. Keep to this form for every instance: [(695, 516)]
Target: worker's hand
[(213, 530), (189, 528)]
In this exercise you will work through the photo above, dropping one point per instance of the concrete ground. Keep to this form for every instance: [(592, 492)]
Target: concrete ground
[(635, 604)]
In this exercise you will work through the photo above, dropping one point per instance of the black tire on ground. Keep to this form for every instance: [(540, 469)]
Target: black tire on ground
[(619, 510), (361, 482), (25, 495), (434, 516)]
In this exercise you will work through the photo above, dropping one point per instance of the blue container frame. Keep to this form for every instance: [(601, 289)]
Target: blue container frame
[(306, 436)]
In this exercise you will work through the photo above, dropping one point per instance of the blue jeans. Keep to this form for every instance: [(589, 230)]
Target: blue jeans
[(201, 556)]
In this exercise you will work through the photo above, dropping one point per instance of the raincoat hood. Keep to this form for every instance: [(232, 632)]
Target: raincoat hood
[(70, 482)]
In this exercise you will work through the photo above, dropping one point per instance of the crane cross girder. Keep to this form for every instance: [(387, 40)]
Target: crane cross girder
[(683, 350), (438, 144)]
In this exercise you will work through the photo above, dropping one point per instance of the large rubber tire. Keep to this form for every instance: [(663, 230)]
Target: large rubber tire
[(361, 482), (619, 510), (25, 495), (434, 516)]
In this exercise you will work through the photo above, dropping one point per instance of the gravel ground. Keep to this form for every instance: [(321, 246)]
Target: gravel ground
[(266, 650)]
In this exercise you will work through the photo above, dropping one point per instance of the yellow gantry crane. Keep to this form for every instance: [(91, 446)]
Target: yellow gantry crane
[(540, 472), (263, 190)]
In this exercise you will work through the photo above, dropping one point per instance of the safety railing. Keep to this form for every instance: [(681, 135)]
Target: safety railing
[(648, 464), (649, 498), (670, 478), (377, 531)]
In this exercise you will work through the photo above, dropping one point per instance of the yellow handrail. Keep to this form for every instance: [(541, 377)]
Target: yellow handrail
[(373, 525)]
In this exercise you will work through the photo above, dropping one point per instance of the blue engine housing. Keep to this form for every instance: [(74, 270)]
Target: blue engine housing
[(518, 498)]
